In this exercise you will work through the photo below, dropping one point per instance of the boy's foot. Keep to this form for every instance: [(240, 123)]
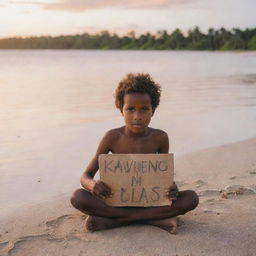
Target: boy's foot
[(94, 223), (169, 224)]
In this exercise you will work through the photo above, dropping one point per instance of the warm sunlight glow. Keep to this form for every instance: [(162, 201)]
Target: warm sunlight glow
[(54, 17)]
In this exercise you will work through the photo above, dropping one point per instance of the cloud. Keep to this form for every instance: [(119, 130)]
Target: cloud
[(120, 30), (82, 5), (24, 2)]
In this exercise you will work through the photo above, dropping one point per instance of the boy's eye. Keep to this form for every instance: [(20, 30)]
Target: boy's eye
[(145, 109), (130, 109)]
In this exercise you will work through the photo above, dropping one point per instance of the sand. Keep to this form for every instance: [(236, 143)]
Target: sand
[(224, 223)]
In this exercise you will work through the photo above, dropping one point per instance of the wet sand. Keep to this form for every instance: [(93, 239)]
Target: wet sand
[(224, 223)]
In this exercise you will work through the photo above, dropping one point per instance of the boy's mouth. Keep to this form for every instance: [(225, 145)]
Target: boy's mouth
[(137, 124)]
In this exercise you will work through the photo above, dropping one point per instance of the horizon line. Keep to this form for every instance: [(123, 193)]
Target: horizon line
[(111, 33)]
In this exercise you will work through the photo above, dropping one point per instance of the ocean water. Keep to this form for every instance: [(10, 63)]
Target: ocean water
[(56, 105)]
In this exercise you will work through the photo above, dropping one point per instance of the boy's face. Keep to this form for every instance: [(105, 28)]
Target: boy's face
[(137, 111)]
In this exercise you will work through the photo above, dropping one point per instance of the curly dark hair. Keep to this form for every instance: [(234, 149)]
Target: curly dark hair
[(138, 83)]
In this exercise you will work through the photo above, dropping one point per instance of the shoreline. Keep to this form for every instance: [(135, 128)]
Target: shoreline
[(135, 50), (227, 193)]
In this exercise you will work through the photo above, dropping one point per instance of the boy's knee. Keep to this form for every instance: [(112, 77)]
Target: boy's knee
[(189, 201), (194, 200), (76, 197)]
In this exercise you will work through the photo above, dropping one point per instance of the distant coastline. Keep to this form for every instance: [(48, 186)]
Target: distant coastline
[(214, 40)]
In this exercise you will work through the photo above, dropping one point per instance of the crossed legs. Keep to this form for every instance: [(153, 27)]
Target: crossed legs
[(103, 216)]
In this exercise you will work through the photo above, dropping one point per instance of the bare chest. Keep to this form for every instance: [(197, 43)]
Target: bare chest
[(140, 146)]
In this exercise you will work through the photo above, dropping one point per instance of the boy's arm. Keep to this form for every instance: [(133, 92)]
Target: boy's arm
[(86, 179), (163, 143), (173, 191)]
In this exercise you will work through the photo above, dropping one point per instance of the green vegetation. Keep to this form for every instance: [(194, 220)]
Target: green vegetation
[(221, 39)]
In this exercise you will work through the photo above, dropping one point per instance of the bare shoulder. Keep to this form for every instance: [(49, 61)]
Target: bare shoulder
[(107, 141), (159, 134), (112, 135), (160, 137), (115, 132)]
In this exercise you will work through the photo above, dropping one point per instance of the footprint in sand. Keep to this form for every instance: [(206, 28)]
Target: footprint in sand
[(180, 183), (68, 226), (3, 246), (253, 186), (208, 192), (239, 190), (58, 231), (199, 183), (9, 247)]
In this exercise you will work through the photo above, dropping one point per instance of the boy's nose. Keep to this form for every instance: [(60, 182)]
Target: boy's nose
[(137, 116)]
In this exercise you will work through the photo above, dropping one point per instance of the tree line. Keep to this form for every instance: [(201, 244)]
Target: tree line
[(214, 39)]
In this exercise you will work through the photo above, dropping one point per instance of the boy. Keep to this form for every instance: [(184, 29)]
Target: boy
[(137, 97)]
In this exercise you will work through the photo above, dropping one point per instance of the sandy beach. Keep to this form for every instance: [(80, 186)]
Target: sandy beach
[(224, 223)]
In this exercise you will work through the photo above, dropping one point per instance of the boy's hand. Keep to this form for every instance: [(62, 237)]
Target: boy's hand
[(101, 189), (173, 192)]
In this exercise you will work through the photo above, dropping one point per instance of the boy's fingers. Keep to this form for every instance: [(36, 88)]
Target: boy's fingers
[(104, 193), (108, 195), (172, 189), (172, 192), (107, 190), (102, 186), (102, 190), (106, 187), (172, 198), (98, 195)]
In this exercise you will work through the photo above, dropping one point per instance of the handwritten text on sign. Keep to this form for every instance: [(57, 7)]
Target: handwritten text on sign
[(137, 179)]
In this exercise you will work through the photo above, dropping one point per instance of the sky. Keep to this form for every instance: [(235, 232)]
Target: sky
[(61, 17)]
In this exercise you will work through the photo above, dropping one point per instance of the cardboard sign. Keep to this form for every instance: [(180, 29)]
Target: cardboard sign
[(137, 179)]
